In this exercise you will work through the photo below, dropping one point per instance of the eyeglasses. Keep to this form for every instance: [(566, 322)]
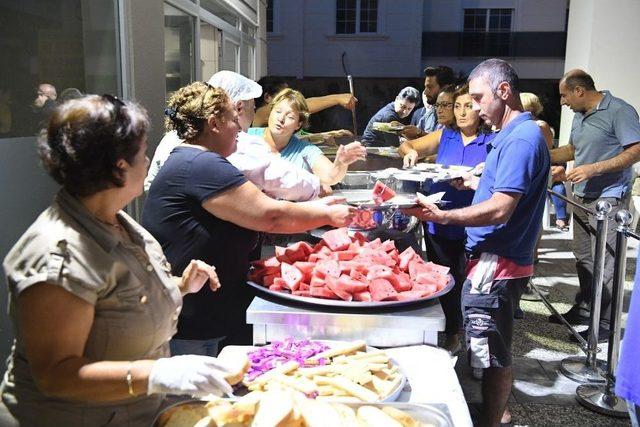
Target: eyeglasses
[(445, 105), (116, 102)]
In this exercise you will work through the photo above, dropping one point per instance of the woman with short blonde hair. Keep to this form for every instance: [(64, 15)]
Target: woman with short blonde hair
[(289, 114)]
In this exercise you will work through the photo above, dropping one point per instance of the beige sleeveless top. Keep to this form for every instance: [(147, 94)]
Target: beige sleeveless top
[(136, 308)]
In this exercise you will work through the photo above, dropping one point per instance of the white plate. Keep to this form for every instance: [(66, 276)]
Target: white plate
[(391, 397)]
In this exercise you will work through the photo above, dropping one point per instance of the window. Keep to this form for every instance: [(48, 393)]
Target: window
[(475, 19), (269, 16), (493, 20), (215, 7), (178, 48), (356, 16), (487, 32), (229, 55), (499, 20), (210, 41), (69, 45)]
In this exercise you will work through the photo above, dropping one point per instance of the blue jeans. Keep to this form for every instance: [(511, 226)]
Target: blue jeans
[(558, 203), (200, 347)]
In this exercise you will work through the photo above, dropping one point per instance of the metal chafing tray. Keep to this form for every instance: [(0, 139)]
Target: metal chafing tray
[(428, 414)]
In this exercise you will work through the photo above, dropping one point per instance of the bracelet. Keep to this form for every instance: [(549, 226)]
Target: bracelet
[(129, 379)]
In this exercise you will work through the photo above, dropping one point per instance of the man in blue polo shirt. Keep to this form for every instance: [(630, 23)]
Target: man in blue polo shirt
[(604, 144), (502, 226)]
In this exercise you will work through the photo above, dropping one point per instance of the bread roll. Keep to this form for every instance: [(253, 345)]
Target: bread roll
[(239, 364), (402, 417), (373, 417)]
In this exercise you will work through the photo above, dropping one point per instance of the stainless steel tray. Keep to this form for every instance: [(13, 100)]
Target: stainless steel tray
[(426, 413), (363, 199), (347, 306)]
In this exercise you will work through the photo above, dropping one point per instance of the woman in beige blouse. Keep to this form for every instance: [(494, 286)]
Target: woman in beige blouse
[(91, 294)]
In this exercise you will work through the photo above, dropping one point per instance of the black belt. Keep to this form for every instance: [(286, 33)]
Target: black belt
[(472, 255)]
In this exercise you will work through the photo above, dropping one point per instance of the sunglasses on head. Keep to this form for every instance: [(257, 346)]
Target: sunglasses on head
[(116, 102)]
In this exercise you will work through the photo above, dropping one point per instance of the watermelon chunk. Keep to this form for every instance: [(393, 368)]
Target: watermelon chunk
[(428, 289), (268, 280), (277, 288), (345, 255), (352, 286), (359, 238), (327, 267), (379, 272), (412, 295), (382, 193), (405, 257), (388, 245), (279, 281), (334, 285), (317, 282), (302, 293), (303, 287), (291, 275), (268, 266), (305, 268), (322, 292), (362, 296), (442, 269), (401, 281), (381, 290), (358, 276), (337, 240)]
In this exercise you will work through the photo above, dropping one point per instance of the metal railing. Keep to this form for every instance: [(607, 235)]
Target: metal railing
[(597, 393)]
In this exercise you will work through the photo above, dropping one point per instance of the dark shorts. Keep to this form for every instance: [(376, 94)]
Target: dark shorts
[(488, 321)]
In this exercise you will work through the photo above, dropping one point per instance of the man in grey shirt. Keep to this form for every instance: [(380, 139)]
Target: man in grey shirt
[(604, 144)]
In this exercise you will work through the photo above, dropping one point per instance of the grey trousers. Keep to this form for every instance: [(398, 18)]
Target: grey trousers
[(584, 249)]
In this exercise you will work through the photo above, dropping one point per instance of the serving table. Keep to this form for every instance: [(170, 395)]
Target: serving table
[(431, 379), (273, 321)]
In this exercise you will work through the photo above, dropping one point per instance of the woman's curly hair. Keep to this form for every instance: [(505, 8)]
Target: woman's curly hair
[(298, 103), (190, 106), (86, 137)]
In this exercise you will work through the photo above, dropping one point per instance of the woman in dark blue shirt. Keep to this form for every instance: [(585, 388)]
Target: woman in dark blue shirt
[(200, 206), (464, 144)]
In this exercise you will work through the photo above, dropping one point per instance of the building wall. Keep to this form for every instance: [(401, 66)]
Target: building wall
[(27, 189), (529, 16), (304, 43), (607, 54), (261, 43)]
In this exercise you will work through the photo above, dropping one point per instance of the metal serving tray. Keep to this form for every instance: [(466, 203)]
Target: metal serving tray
[(363, 199), (347, 306), (428, 414)]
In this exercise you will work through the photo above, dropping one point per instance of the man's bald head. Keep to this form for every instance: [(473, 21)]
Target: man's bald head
[(46, 92), (577, 91), (577, 77)]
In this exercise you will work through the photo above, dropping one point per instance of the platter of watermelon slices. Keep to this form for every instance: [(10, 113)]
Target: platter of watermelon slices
[(344, 271)]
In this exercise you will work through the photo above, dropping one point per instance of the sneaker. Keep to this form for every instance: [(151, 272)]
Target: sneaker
[(518, 313), (572, 316), (603, 335)]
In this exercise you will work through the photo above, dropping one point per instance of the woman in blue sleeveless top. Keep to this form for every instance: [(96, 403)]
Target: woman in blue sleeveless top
[(462, 144)]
